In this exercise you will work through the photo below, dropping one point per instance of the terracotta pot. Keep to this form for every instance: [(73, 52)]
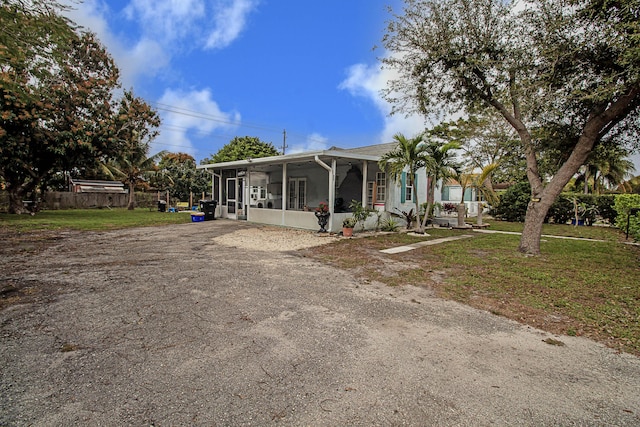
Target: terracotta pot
[(347, 232)]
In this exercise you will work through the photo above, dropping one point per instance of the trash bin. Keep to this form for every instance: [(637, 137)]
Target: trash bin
[(162, 206), (208, 207)]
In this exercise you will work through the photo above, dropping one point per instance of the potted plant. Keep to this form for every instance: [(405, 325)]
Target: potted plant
[(347, 226), (322, 213)]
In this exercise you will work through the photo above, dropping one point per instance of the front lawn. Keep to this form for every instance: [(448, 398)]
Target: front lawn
[(91, 219), (576, 287)]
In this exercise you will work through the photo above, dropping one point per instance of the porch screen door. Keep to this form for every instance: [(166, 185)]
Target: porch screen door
[(231, 197)]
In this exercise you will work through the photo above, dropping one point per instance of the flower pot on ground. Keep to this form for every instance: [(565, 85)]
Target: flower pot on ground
[(347, 226)]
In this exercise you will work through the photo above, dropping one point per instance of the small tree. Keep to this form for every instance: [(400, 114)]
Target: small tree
[(410, 154), (442, 166), (360, 213)]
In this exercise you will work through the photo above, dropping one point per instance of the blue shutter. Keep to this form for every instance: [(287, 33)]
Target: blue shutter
[(467, 194), (403, 187), (445, 193)]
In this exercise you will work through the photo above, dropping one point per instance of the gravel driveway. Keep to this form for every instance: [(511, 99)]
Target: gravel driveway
[(187, 325)]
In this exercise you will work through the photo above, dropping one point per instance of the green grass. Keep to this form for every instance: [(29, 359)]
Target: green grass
[(91, 219), (593, 232), (575, 287)]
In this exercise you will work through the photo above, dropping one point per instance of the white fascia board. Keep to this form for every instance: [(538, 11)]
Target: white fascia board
[(288, 158)]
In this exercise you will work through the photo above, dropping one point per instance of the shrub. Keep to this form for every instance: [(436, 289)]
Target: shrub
[(450, 208), (561, 210), (606, 208), (360, 213), (623, 205), (390, 225), (513, 203)]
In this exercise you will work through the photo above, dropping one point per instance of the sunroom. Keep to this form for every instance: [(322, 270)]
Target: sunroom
[(285, 190)]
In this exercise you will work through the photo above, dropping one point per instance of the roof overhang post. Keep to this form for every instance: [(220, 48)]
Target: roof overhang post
[(332, 187), (365, 169), (284, 193)]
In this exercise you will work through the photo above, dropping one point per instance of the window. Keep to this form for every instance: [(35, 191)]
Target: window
[(381, 187), (297, 196), (408, 191)]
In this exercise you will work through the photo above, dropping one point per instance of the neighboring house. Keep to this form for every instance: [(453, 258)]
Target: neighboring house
[(96, 186), (284, 190), (452, 193)]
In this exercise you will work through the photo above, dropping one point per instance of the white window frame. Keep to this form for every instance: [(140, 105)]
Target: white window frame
[(381, 187), (408, 188)]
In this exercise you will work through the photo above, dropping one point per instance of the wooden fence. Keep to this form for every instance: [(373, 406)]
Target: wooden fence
[(55, 200)]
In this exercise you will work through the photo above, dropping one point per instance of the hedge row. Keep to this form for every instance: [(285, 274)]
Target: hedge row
[(608, 207)]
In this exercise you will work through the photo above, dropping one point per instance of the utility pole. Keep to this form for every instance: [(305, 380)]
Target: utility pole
[(284, 142)]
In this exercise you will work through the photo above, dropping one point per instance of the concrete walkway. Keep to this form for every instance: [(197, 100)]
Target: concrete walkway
[(544, 235), (413, 246)]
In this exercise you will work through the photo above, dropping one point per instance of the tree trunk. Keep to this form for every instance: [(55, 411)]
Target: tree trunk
[(530, 240), (132, 197), (430, 197), (462, 209), (479, 218), (15, 201)]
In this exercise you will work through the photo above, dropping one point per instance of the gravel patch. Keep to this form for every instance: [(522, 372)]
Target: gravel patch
[(185, 326), (265, 238)]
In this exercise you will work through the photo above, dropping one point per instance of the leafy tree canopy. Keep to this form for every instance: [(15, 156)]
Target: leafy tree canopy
[(563, 73), (180, 169), (241, 148), (55, 90)]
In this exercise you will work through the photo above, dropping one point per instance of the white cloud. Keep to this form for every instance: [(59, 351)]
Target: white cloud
[(229, 21), (145, 57), (314, 142), (166, 20), (367, 81), (164, 28), (192, 113)]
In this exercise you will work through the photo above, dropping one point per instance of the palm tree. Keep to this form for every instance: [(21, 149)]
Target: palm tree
[(606, 167), (411, 154), (443, 166), (481, 183), (131, 166)]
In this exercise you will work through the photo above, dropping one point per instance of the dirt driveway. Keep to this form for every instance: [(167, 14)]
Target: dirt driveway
[(175, 326)]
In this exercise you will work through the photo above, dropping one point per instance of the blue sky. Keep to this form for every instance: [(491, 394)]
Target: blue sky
[(216, 69)]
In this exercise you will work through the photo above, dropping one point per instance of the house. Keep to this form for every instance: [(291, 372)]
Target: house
[(452, 193), (284, 190), (96, 186)]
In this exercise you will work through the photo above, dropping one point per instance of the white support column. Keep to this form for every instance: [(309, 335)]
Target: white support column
[(332, 191), (365, 167), (285, 196), (247, 193)]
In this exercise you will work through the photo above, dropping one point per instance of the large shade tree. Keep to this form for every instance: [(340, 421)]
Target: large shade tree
[(55, 91), (563, 74)]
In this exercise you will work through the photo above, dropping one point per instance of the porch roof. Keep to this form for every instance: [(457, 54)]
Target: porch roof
[(324, 155)]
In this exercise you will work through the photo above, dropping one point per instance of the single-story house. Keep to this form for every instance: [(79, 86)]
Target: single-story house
[(286, 189)]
